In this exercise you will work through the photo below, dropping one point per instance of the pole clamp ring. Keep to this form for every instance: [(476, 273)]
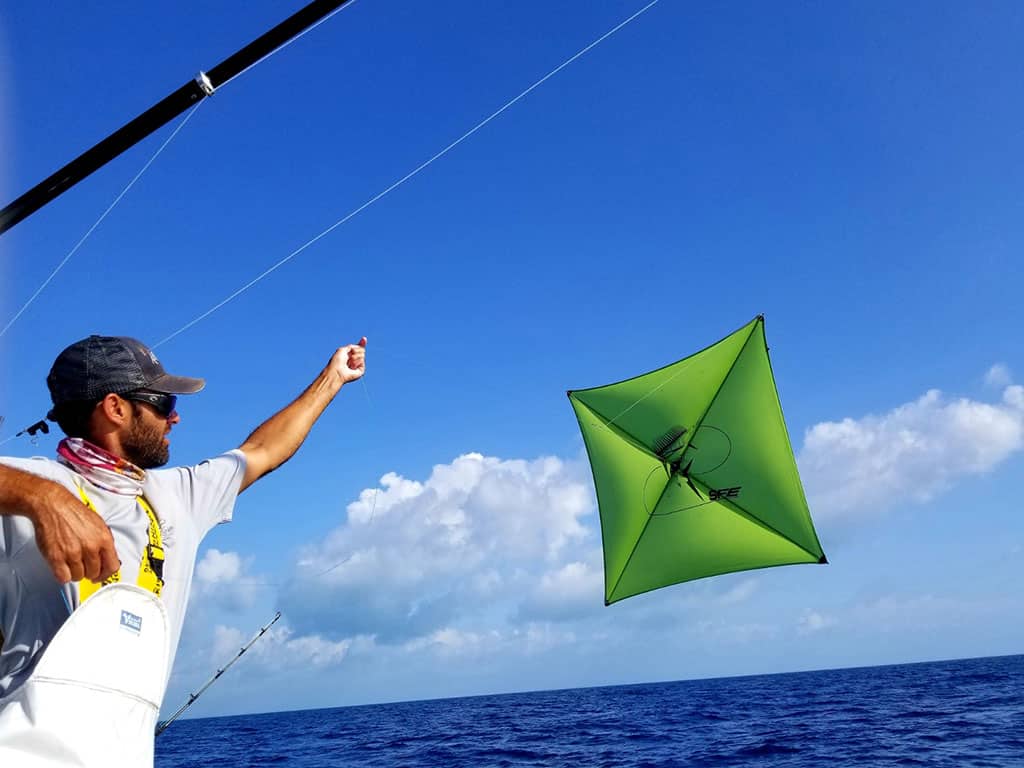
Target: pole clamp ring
[(204, 83)]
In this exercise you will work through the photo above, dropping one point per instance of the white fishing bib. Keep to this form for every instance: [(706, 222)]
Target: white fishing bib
[(93, 699)]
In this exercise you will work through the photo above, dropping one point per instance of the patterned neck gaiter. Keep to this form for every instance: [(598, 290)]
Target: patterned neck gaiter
[(100, 467)]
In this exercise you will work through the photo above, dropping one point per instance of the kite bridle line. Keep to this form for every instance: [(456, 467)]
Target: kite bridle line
[(697, 425), (733, 506), (687, 473)]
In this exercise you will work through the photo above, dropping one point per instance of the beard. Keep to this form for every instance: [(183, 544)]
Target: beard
[(144, 444)]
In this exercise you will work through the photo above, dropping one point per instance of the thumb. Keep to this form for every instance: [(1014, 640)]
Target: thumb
[(362, 342)]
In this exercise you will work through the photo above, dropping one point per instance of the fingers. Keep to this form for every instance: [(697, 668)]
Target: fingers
[(61, 572), (91, 565), (349, 361), (359, 348), (109, 561), (74, 560), (93, 558), (357, 355), (74, 540), (99, 557)]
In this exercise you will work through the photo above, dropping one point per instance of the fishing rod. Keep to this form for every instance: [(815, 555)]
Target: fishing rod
[(192, 92), (161, 727)]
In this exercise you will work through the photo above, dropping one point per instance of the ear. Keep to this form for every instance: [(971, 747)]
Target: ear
[(115, 410)]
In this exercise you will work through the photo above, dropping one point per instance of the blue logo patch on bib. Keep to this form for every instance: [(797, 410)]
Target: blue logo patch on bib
[(131, 621)]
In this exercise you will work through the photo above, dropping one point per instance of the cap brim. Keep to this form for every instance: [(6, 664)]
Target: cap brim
[(176, 385)]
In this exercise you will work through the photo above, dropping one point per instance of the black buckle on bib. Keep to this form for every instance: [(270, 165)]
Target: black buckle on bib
[(156, 560)]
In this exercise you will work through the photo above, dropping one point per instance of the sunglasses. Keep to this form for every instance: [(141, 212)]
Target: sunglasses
[(162, 403)]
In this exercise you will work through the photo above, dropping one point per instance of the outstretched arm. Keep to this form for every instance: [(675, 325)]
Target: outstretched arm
[(279, 437), (72, 538)]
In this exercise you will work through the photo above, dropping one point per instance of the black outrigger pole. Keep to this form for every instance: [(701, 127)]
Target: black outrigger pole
[(164, 111)]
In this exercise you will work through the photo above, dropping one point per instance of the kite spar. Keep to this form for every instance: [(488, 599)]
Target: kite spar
[(694, 471)]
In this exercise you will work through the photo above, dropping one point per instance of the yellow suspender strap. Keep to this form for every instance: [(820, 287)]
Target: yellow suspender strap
[(151, 569)]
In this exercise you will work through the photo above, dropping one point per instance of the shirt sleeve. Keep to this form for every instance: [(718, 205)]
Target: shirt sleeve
[(16, 531), (211, 487), (38, 465)]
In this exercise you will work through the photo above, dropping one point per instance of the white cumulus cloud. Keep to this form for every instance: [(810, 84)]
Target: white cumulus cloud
[(998, 376), (813, 621), (221, 579), (929, 612), (740, 593), (718, 630), (279, 648), (570, 592), (491, 556), (417, 558), (217, 566), (574, 580), (913, 452), (455, 642)]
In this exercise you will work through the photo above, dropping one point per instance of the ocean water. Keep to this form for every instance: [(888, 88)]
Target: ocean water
[(957, 713)]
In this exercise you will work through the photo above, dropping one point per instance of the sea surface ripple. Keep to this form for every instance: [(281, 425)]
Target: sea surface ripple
[(962, 714)]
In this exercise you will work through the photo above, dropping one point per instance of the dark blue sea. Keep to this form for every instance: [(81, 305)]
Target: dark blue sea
[(956, 713)]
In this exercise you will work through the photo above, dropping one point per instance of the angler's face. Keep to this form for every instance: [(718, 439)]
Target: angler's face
[(145, 441)]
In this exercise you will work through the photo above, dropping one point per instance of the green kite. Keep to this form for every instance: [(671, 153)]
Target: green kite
[(694, 471)]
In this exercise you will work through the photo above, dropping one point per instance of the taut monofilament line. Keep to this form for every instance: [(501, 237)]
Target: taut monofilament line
[(165, 110)]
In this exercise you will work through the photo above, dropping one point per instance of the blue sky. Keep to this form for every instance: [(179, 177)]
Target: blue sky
[(849, 171)]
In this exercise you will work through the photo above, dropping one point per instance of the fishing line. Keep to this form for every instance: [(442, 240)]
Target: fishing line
[(416, 171), (292, 40), (303, 247), (409, 175), (99, 221), (402, 180)]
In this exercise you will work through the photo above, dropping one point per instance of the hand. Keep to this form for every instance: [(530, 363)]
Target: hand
[(349, 362), (72, 538)]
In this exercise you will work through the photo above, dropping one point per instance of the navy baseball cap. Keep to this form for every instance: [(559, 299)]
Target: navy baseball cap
[(94, 367)]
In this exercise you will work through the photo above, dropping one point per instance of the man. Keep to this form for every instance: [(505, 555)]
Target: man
[(102, 511)]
